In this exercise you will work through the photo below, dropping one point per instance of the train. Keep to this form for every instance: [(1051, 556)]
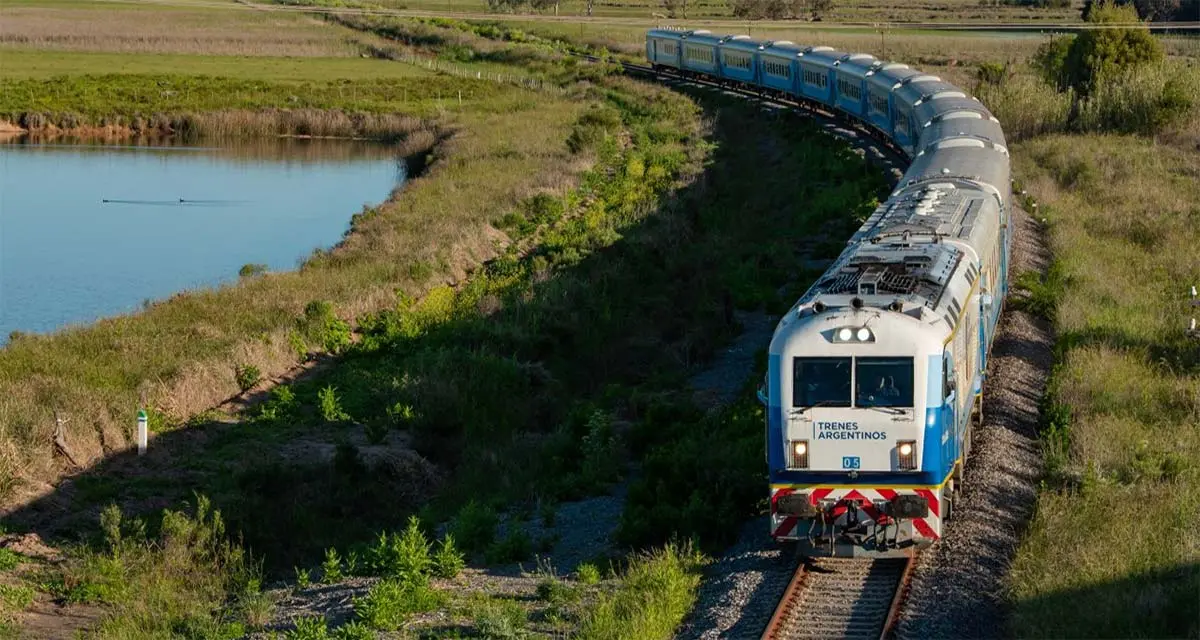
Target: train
[(875, 376)]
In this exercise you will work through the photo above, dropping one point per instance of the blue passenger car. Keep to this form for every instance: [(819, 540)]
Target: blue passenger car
[(737, 59), (663, 47), (851, 85), (777, 66), (816, 73), (882, 79), (700, 52), (905, 98)]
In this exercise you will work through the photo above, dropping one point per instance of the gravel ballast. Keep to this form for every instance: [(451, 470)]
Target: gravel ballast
[(957, 588)]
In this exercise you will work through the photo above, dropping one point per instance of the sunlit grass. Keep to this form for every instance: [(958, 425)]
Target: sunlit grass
[(1112, 529)]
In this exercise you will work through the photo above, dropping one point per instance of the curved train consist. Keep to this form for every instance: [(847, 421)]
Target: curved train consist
[(875, 375)]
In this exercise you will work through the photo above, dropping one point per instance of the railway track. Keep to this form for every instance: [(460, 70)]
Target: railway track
[(854, 599)]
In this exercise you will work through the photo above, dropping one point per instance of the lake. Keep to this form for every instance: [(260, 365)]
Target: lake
[(88, 231)]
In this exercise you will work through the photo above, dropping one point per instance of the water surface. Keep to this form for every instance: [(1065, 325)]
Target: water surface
[(88, 231)]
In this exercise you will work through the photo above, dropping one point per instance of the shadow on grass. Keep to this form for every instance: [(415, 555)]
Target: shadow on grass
[(533, 381), (1163, 603)]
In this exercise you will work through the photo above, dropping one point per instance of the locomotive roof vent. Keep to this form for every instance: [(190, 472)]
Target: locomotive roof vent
[(868, 283)]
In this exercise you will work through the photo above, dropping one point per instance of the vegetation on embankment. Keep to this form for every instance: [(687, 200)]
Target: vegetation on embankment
[(179, 356), (1112, 530), (543, 375), (1111, 534)]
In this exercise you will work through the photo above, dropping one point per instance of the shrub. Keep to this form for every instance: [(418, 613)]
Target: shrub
[(588, 573), (330, 405), (322, 327), (331, 568), (247, 376), (390, 603), (303, 578), (514, 547), (252, 269), (655, 593), (501, 619), (403, 556), (475, 526), (309, 628), (1050, 61), (448, 561), (354, 630), (1107, 52), (1144, 101), (993, 73)]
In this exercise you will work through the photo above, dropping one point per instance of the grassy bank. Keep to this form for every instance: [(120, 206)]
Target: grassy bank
[(180, 355), (1111, 531)]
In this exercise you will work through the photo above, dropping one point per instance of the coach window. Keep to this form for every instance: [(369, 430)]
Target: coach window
[(884, 382), (822, 381)]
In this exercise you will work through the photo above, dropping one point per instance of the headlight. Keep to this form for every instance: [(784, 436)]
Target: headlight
[(906, 454), (853, 335), (799, 454)]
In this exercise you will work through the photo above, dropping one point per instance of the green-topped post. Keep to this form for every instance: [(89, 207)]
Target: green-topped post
[(142, 431)]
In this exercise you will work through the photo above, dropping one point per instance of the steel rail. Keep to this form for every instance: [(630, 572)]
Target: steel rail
[(855, 599)]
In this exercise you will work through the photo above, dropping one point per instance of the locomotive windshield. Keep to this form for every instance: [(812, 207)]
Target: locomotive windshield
[(823, 381), (884, 382)]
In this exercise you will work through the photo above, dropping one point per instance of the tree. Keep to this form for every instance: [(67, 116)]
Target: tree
[(1098, 53), (1151, 10)]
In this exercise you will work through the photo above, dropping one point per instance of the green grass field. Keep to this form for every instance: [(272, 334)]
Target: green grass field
[(1110, 534), (22, 63)]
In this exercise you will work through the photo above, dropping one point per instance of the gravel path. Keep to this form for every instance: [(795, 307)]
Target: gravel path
[(957, 588)]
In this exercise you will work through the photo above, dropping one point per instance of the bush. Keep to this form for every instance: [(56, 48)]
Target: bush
[(447, 560), (1050, 61), (501, 620), (331, 406), (390, 603), (514, 547), (404, 557), (655, 593), (354, 630), (247, 376), (1104, 53), (331, 568), (588, 573), (309, 628), (475, 526), (322, 327), (1145, 101), (252, 269)]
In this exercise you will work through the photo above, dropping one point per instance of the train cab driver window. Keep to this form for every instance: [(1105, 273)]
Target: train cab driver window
[(821, 382), (884, 382)]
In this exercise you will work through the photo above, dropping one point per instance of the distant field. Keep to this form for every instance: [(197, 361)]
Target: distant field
[(844, 10), (176, 28), (32, 63)]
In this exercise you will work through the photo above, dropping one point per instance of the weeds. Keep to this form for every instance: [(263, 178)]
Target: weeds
[(391, 602), (309, 628), (501, 620), (654, 594), (475, 526), (588, 574), (331, 568), (448, 562), (247, 376)]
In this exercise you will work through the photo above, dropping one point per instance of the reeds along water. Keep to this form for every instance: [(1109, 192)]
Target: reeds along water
[(244, 123)]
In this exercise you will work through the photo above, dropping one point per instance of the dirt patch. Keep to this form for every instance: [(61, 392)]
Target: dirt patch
[(30, 545), (48, 620)]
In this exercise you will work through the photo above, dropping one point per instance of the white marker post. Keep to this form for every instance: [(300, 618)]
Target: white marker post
[(141, 432)]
